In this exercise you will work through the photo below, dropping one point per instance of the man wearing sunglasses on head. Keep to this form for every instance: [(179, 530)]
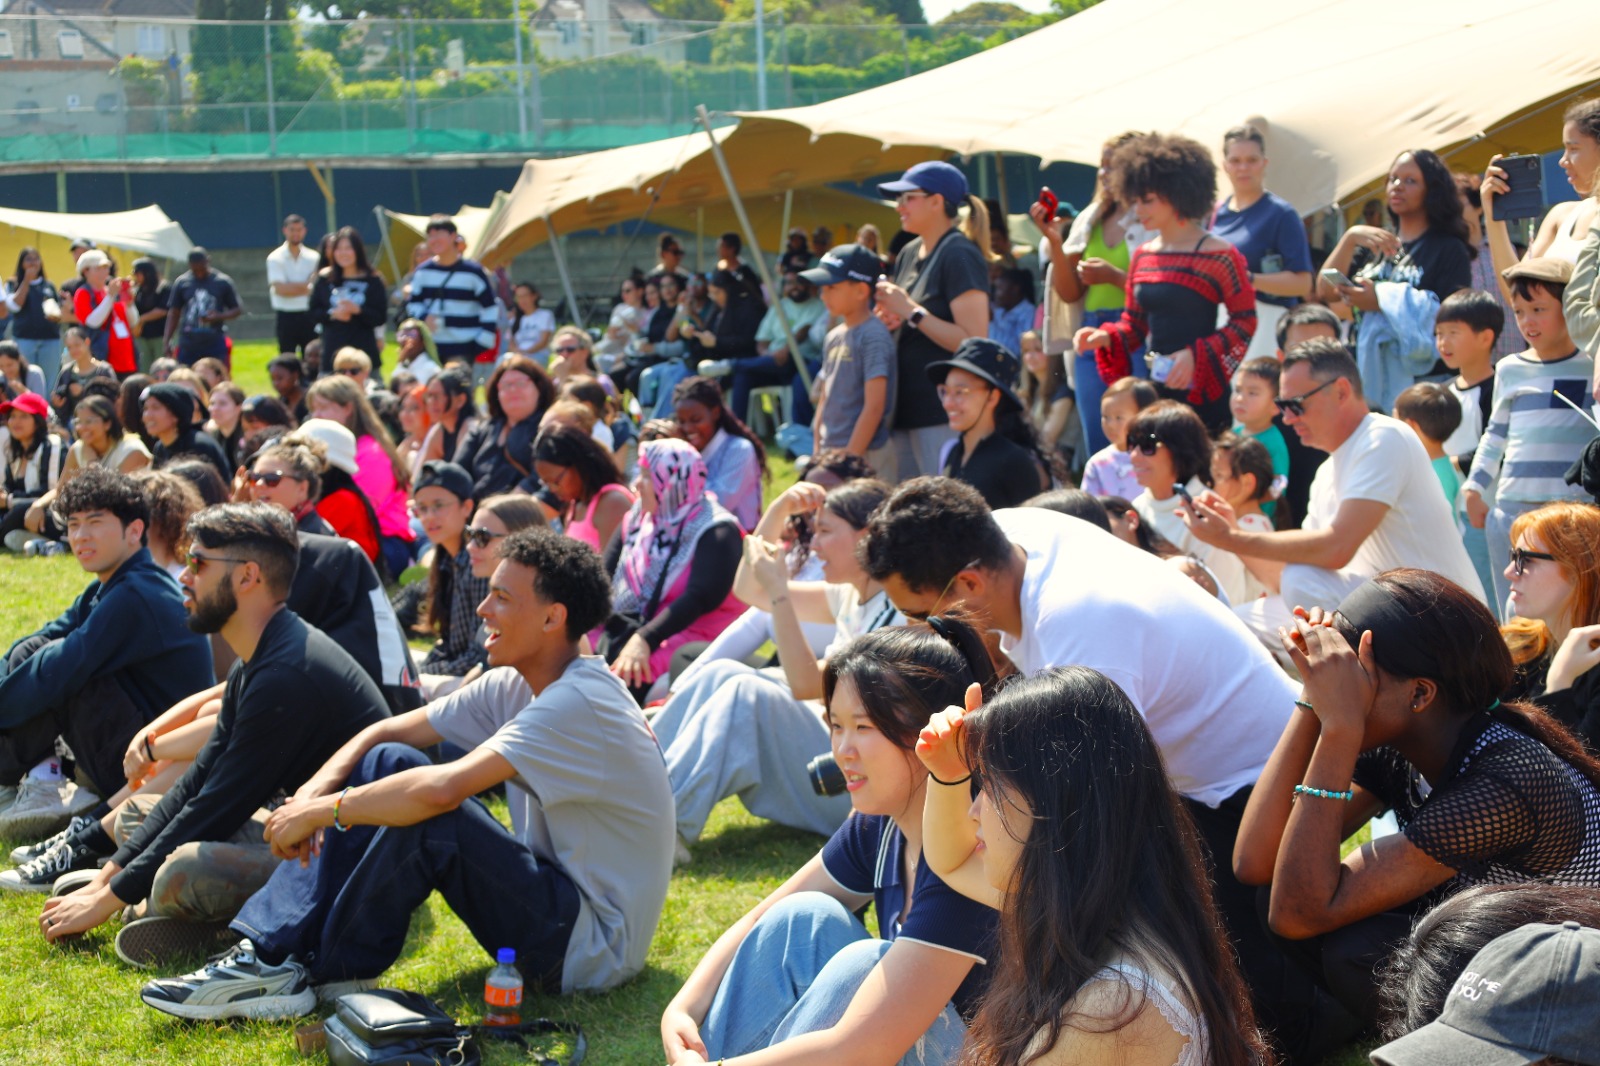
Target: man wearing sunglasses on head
[(1375, 503), (294, 697)]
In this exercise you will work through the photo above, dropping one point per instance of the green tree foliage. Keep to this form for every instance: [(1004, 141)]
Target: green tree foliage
[(985, 13)]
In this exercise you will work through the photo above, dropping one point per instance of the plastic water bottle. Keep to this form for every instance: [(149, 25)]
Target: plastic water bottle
[(502, 992)]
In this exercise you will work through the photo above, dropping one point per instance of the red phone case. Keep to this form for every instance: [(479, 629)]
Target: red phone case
[(1050, 202)]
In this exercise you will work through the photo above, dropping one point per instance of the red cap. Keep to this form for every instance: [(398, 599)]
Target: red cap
[(30, 402)]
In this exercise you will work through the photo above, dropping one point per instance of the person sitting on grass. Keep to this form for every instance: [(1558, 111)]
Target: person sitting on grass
[(576, 888), (168, 414), (115, 659), (799, 979), (443, 501), (1050, 803), (1401, 710), (293, 698)]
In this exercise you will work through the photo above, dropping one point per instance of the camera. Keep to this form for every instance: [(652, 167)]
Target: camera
[(826, 777)]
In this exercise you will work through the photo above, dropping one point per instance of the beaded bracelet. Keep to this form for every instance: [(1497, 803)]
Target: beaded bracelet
[(346, 829), (1323, 793), (1305, 706)]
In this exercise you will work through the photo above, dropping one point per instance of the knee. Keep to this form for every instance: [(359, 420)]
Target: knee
[(386, 760), (802, 913), (852, 963)]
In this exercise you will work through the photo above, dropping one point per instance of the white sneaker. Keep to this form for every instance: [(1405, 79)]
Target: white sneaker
[(235, 984), (715, 368), (43, 808)]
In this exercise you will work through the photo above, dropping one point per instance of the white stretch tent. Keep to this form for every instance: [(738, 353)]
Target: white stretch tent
[(1339, 86), (124, 234)]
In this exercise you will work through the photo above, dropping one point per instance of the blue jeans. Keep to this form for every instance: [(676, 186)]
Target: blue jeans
[(754, 372), (44, 353), (796, 973), (1498, 532), (345, 915), (1476, 542), (1087, 385)]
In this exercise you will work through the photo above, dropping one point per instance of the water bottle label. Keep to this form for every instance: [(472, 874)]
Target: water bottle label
[(503, 997)]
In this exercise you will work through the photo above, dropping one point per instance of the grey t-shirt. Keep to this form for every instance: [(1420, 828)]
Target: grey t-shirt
[(590, 795), (850, 358)]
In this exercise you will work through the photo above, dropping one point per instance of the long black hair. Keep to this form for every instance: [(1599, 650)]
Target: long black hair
[(353, 235), (27, 250), (904, 674), (708, 394), (1110, 864), (1440, 200), (147, 273), (455, 382), (41, 431), (571, 447)]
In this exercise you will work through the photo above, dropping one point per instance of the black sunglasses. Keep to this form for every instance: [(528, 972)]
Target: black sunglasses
[(1149, 444), (1520, 557), (1296, 405), (481, 537), (271, 480)]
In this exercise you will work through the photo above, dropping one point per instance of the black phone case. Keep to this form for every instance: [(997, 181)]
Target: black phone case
[(1525, 175)]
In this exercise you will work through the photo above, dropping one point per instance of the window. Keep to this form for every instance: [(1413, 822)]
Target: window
[(6, 51), (70, 43), (641, 34), (569, 31), (151, 41)]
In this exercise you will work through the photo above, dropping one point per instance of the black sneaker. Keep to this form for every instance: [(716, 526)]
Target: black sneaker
[(29, 852), (146, 943), (40, 874), (235, 984)]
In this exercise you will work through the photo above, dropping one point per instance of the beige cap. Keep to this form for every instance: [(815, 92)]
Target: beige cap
[(1541, 268)]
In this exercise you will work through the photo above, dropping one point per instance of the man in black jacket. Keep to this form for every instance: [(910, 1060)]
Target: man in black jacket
[(292, 700), (118, 657)]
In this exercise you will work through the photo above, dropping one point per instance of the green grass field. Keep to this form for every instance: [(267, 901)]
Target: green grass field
[(79, 1005)]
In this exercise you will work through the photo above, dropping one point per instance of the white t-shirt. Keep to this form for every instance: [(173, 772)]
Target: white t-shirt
[(423, 368), (533, 326), (853, 618), (590, 795), (1233, 579), (291, 270), (1215, 701), (1384, 461)]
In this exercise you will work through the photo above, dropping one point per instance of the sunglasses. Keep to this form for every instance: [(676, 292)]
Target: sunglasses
[(271, 480), (919, 616), (480, 537), (1149, 444), (568, 349), (1296, 405), (194, 560), (1520, 557)]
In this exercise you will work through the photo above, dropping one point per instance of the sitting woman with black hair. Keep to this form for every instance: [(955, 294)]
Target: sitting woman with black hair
[(1401, 711), (581, 474), (100, 442), (736, 460), (447, 397), (737, 730), (498, 453), (799, 979), (1050, 803), (33, 461)]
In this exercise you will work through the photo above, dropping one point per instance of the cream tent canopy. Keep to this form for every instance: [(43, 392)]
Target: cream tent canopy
[(124, 235), (403, 232), (1340, 87)]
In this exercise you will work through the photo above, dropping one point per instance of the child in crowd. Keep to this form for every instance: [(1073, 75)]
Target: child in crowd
[(1255, 387), (1433, 414), (1466, 329), (1109, 471), (858, 361), (1534, 432), (1241, 473), (1046, 400)]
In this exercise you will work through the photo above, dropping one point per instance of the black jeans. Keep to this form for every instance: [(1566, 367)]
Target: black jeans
[(97, 722), (345, 915), (295, 330)]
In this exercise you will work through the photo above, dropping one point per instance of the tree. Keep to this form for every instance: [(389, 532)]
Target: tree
[(984, 13)]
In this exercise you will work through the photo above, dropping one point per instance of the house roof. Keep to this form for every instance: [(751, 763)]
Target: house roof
[(111, 8), (616, 11)]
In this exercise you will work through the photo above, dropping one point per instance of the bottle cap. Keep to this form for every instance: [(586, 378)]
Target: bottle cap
[(506, 956)]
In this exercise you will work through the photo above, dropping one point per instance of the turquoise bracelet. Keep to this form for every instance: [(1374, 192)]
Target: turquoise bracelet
[(1323, 793)]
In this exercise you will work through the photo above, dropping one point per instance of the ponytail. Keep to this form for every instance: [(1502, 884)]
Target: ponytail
[(975, 227)]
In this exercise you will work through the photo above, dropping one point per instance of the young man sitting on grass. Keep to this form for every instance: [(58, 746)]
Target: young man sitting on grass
[(119, 656), (576, 887), (291, 700)]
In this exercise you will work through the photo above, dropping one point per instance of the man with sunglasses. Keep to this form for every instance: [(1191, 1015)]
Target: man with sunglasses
[(294, 697), (1375, 502), (115, 659)]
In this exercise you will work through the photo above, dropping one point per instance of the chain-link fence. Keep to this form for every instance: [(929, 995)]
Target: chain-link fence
[(85, 87)]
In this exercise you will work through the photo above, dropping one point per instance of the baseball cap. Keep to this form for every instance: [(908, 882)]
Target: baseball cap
[(982, 358), (934, 176), (436, 473), (1528, 995), (29, 402), (80, 242), (847, 262), (1548, 268)]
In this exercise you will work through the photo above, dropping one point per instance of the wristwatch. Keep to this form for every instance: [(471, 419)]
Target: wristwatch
[(916, 317)]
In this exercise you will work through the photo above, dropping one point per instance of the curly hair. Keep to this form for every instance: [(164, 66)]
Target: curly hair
[(928, 531), (1441, 202), (565, 571), (1173, 167)]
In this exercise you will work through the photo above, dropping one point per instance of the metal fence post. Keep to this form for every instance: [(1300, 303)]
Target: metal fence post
[(272, 116)]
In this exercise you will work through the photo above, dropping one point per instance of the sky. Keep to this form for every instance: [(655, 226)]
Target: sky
[(934, 10)]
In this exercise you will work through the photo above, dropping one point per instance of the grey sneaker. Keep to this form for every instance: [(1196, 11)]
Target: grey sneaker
[(39, 875), (715, 368), (8, 796), (43, 808), (235, 984), (329, 994), (146, 943), (29, 852)]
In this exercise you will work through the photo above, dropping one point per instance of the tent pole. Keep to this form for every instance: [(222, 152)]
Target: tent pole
[(383, 230), (788, 218), (704, 118), (566, 278), (700, 240), (1000, 184)]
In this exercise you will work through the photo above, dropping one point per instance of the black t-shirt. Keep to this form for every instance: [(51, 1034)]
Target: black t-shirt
[(191, 299), (146, 300), (359, 331), (1004, 473), (957, 268), (1436, 261)]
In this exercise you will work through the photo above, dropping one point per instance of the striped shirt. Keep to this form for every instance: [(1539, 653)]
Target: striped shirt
[(461, 298), (1533, 436)]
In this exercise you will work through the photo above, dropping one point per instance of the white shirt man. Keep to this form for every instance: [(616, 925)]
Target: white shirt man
[(291, 270)]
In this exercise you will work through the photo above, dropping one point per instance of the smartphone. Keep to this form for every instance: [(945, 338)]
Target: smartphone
[(1183, 494), (1336, 279), (1160, 367), (1525, 175), (1049, 201)]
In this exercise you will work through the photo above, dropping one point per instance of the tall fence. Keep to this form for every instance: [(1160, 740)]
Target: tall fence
[(86, 88)]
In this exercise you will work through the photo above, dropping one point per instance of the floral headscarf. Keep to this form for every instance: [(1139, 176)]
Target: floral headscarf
[(656, 548)]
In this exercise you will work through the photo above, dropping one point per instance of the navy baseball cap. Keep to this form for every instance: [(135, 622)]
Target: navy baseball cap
[(436, 473), (935, 176), (847, 262)]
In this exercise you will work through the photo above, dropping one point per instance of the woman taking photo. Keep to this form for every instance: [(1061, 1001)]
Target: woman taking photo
[(1554, 631), (451, 412), (383, 476), (498, 453), (34, 458), (1101, 958), (1401, 711), (736, 730), (35, 310), (735, 458), (671, 563), (348, 299), (1180, 281), (939, 293), (799, 979), (1565, 226), (1267, 231), (581, 473), (101, 305)]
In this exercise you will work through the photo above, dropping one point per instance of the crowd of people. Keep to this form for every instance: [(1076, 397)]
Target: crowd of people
[(1108, 606)]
